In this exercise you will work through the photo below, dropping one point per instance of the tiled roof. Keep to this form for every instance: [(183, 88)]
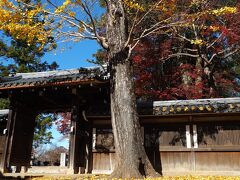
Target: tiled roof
[(51, 78), (219, 105)]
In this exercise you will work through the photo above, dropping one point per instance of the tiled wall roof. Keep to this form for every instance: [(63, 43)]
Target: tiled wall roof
[(219, 105)]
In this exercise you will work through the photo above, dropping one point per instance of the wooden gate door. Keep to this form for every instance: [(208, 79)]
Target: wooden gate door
[(21, 137)]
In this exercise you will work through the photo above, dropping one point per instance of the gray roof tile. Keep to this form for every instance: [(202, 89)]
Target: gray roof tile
[(48, 77), (216, 105)]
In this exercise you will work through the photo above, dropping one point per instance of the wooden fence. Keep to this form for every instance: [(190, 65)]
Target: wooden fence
[(181, 147)]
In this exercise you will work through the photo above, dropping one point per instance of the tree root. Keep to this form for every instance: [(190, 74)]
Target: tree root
[(131, 170), (150, 171), (126, 173)]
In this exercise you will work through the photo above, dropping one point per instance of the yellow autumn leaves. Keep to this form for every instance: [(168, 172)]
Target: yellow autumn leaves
[(131, 4), (217, 12), (6, 3), (99, 177), (224, 10), (197, 41), (22, 24), (61, 8)]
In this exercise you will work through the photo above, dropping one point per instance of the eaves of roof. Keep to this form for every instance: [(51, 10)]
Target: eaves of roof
[(53, 78), (216, 105)]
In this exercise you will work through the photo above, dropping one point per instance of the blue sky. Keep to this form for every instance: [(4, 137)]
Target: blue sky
[(57, 139), (69, 56), (72, 56)]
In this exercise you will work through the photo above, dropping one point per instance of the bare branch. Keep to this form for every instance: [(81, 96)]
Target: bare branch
[(183, 37), (77, 35), (231, 53), (100, 39), (152, 30), (222, 52), (183, 54), (148, 12), (73, 18), (216, 40), (192, 50), (131, 30)]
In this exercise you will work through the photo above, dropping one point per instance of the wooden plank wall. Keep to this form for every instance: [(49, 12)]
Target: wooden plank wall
[(103, 161), (217, 161), (217, 150), (2, 138), (195, 161), (177, 161), (185, 161)]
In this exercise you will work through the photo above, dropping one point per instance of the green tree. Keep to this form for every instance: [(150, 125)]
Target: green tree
[(26, 58), (42, 133), (22, 57)]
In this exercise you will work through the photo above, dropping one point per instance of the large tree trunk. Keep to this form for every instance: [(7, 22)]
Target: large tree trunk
[(131, 160)]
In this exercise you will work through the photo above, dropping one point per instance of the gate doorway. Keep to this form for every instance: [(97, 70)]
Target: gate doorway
[(76, 91)]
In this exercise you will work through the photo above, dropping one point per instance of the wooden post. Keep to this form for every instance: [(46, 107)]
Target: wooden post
[(22, 139), (89, 165), (4, 165), (195, 139), (93, 138), (188, 136), (80, 149), (18, 144), (85, 144), (73, 150)]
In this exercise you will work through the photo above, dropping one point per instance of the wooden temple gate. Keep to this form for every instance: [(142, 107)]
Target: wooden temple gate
[(179, 136), (30, 94)]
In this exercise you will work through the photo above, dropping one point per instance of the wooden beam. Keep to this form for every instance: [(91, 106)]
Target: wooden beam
[(73, 166), (188, 136), (80, 140), (77, 160), (4, 164), (89, 166)]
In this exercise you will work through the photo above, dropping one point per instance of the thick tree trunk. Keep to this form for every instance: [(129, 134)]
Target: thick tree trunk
[(131, 160)]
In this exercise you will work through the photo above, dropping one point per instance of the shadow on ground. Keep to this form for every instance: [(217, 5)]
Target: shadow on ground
[(14, 177)]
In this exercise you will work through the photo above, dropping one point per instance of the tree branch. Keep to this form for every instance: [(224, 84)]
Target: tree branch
[(100, 39)]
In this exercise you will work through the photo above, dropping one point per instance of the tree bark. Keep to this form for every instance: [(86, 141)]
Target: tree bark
[(131, 160), (186, 80), (199, 79)]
